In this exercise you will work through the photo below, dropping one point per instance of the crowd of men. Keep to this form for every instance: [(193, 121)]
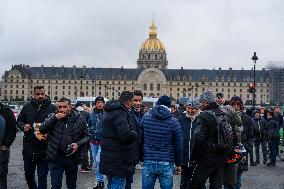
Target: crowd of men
[(208, 140)]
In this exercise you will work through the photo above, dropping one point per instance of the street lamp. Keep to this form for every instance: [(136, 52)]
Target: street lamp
[(254, 58), (81, 86)]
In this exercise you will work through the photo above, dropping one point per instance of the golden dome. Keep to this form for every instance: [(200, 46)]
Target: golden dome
[(152, 44)]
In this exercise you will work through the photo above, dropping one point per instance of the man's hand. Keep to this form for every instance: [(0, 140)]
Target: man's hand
[(4, 148), (75, 147), (177, 170), (60, 115), (27, 127)]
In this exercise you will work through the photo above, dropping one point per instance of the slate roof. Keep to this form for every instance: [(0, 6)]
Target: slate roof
[(133, 73)]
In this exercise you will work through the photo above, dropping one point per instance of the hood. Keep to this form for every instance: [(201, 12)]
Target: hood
[(213, 105), (114, 105), (45, 102), (160, 112)]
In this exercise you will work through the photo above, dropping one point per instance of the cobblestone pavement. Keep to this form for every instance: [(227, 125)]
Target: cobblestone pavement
[(259, 177)]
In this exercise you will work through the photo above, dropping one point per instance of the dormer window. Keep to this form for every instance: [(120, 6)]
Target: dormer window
[(37, 76)]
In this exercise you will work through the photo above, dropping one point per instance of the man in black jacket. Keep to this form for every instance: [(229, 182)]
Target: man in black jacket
[(117, 160), (7, 136), (68, 133), (260, 133), (188, 122), (34, 144), (208, 154), (273, 136)]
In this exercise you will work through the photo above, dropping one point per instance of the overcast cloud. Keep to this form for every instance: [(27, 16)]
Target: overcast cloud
[(197, 34)]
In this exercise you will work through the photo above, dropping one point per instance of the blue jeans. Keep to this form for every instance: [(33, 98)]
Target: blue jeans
[(57, 169), (30, 165), (239, 180), (95, 149), (116, 182), (162, 170)]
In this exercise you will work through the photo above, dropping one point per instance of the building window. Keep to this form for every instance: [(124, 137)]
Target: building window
[(229, 90), (234, 90), (23, 92), (247, 95), (145, 87), (158, 87), (151, 87), (177, 94), (241, 90)]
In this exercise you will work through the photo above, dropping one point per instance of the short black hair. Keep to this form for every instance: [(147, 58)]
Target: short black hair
[(64, 99), (138, 93), (38, 87), (220, 95), (125, 96)]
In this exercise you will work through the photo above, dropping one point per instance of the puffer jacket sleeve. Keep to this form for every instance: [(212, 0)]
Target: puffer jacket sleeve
[(123, 128), (84, 135), (48, 124), (178, 143), (21, 119), (11, 130)]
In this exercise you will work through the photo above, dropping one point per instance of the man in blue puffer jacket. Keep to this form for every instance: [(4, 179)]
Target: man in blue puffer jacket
[(162, 143)]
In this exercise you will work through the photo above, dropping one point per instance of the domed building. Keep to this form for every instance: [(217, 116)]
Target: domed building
[(151, 76)]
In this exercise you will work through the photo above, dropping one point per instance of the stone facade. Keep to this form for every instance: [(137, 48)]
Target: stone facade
[(151, 76)]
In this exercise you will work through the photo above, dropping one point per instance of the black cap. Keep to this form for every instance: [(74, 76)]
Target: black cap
[(99, 98)]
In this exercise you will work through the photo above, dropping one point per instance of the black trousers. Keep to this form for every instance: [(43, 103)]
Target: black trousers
[(263, 144), (4, 161), (185, 176), (30, 165), (210, 167), (129, 181)]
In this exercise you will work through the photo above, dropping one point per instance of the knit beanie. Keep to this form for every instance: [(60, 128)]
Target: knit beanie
[(194, 102), (164, 100), (207, 96)]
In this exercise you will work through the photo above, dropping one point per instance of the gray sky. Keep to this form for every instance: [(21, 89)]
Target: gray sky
[(197, 34)]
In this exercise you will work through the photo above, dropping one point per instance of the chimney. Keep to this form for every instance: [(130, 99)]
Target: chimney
[(62, 68), (74, 70), (84, 69)]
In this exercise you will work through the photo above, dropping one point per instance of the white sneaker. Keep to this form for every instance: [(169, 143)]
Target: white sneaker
[(139, 167)]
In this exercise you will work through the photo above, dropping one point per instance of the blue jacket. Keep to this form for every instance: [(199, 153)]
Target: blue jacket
[(95, 125), (162, 137)]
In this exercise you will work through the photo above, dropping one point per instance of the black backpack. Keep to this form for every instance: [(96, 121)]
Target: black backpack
[(225, 130)]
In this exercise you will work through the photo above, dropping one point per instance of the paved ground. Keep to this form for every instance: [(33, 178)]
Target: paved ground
[(260, 177)]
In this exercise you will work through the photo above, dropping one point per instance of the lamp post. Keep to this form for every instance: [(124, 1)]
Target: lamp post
[(81, 86), (254, 58)]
